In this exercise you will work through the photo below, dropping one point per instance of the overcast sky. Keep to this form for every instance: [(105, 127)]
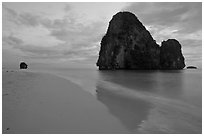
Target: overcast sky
[(71, 32)]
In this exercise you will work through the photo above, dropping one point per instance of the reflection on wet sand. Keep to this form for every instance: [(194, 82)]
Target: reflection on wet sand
[(131, 112), (169, 84), (153, 101)]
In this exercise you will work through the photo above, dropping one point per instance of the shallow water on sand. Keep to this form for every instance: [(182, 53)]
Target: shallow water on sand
[(145, 101), (154, 101)]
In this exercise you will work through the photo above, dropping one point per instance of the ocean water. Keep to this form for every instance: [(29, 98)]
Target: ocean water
[(145, 101)]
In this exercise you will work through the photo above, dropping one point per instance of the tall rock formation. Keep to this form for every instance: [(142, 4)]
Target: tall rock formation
[(170, 55), (128, 45)]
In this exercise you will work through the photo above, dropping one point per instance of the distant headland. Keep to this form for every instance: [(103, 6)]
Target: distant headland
[(129, 45)]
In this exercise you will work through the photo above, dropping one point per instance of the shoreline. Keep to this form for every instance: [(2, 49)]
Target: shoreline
[(44, 103)]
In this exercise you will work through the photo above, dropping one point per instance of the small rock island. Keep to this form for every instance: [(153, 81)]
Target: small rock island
[(23, 65), (191, 67), (129, 45)]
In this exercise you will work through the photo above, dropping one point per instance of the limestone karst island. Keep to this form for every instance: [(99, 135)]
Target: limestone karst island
[(129, 45)]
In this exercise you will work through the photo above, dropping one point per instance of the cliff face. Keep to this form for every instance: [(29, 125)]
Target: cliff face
[(128, 45), (170, 55)]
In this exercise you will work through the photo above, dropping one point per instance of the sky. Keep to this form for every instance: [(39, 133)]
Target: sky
[(70, 33)]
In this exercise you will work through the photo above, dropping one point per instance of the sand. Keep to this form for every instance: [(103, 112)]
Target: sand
[(83, 101), (43, 103)]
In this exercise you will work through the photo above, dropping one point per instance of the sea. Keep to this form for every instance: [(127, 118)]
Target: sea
[(157, 101)]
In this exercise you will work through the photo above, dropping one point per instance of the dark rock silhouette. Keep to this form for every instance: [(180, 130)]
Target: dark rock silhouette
[(128, 45), (170, 55), (23, 65), (191, 67)]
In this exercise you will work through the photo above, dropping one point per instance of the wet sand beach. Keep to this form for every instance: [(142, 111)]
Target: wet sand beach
[(43, 103)]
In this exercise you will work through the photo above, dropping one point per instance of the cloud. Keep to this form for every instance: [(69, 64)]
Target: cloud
[(80, 35), (55, 52), (45, 38), (26, 49), (12, 41), (67, 8), (166, 18), (26, 19), (169, 14)]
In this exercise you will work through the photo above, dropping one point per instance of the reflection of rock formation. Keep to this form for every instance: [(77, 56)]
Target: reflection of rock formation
[(137, 80), (131, 112), (168, 83)]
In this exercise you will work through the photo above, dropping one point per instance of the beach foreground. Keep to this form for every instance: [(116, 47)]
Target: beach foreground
[(91, 101), (43, 103)]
